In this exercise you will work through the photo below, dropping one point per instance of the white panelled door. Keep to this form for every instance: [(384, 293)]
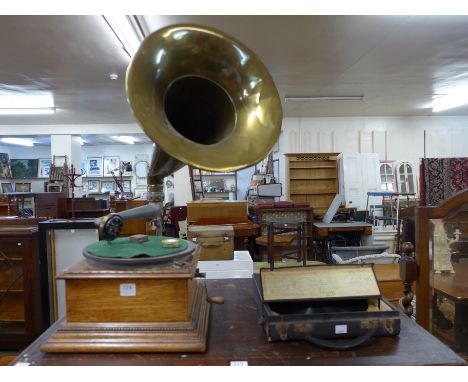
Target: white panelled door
[(359, 174)]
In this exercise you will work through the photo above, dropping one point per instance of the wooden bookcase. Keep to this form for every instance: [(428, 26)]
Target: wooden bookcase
[(313, 178), (20, 287)]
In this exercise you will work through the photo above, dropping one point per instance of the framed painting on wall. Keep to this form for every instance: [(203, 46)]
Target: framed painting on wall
[(127, 185), (94, 166), (111, 164), (127, 168), (44, 167), (22, 187), (94, 186), (24, 168), (5, 170), (7, 187), (107, 186)]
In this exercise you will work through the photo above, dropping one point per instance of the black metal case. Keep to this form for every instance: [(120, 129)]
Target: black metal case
[(333, 321)]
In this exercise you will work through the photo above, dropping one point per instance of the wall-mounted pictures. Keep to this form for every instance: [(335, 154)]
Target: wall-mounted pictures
[(5, 171), (44, 168), (7, 187), (107, 186), (111, 164), (94, 166), (22, 187), (127, 168), (94, 186), (24, 168), (127, 185)]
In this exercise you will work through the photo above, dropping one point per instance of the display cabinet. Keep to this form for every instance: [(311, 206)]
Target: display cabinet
[(442, 277), (20, 287)]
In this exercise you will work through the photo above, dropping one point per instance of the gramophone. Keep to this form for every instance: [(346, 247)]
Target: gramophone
[(206, 100)]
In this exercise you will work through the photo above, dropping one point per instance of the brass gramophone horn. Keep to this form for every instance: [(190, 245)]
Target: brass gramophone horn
[(205, 99)]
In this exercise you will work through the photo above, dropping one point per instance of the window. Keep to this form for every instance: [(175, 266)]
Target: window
[(387, 178), (406, 178)]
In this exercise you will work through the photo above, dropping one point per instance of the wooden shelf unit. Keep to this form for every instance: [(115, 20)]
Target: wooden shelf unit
[(313, 178)]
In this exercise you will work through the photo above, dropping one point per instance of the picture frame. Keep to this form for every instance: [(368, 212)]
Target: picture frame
[(43, 170), (7, 187), (94, 186), (107, 186), (111, 163), (141, 192), (127, 185), (94, 166), (22, 187), (5, 169), (24, 168), (124, 172)]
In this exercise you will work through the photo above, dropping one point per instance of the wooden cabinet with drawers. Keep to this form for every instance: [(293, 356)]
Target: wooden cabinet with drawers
[(20, 297)]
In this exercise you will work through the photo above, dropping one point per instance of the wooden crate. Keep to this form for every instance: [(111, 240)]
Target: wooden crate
[(313, 178), (220, 208)]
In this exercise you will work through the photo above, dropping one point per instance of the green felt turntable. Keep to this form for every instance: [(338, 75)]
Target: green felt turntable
[(124, 251)]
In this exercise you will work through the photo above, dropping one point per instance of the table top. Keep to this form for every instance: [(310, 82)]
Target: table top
[(341, 224), (235, 335)]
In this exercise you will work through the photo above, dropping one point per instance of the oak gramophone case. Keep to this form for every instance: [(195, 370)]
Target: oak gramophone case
[(331, 306)]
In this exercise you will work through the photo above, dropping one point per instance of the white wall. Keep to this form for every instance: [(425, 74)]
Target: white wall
[(393, 138)]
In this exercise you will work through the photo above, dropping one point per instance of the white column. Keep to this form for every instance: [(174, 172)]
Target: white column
[(69, 145)]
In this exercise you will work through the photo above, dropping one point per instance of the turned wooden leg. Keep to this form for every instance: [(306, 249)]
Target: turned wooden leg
[(408, 274)]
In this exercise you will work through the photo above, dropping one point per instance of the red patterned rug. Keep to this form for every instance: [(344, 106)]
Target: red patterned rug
[(442, 178)]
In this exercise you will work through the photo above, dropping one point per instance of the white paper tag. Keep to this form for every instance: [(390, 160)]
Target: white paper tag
[(239, 363), (127, 290), (341, 329)]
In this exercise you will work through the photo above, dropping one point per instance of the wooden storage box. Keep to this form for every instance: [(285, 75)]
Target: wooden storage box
[(219, 208), (216, 242), (331, 306)]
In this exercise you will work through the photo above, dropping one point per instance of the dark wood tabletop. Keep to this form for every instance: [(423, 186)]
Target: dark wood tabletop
[(235, 335)]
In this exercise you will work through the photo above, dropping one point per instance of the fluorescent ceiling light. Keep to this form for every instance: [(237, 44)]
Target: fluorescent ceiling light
[(18, 141), (446, 102), (17, 100), (125, 139), (126, 30), (324, 98), (27, 111)]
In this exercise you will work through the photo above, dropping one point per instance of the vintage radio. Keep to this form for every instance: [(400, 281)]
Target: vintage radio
[(216, 241), (331, 306)]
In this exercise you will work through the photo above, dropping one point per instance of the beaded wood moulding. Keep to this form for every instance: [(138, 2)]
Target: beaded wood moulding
[(161, 308)]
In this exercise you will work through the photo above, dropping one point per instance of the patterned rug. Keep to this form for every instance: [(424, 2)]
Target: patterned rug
[(441, 178)]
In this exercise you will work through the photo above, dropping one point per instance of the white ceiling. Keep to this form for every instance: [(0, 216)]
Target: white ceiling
[(398, 63)]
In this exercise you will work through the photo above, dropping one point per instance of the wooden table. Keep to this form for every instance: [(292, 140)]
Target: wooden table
[(235, 335)]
